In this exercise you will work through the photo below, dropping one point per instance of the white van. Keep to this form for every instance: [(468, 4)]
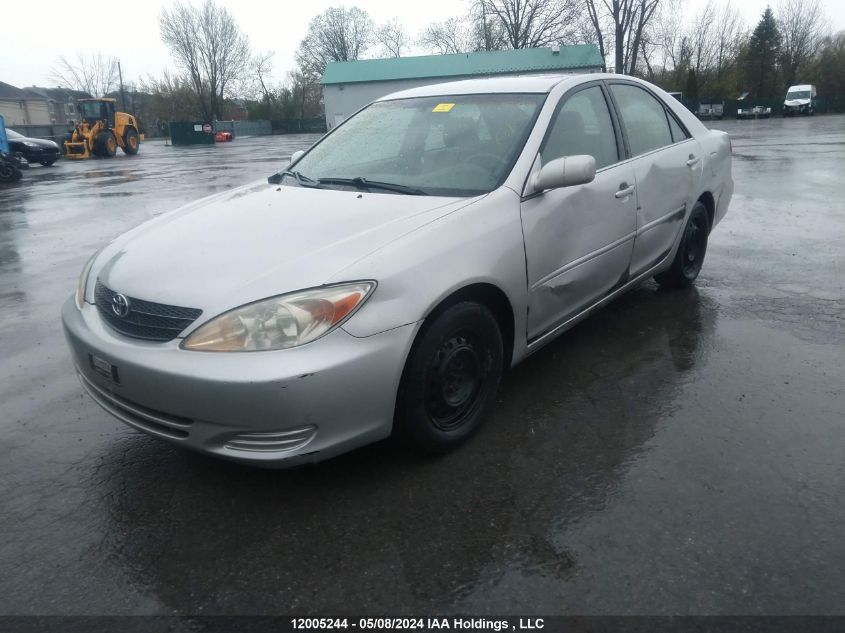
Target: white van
[(800, 100)]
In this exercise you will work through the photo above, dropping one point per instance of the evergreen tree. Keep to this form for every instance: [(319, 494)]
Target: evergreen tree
[(691, 91), (761, 58)]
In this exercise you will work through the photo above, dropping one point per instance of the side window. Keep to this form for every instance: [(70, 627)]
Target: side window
[(582, 126), (643, 117), (678, 133)]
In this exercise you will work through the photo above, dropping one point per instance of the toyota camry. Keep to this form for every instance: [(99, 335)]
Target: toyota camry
[(382, 282)]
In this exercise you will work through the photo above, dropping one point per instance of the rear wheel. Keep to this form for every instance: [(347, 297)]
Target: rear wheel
[(106, 144), (131, 141), (450, 379), (690, 256)]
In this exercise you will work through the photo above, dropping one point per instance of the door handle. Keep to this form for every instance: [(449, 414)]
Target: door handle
[(693, 160), (625, 190)]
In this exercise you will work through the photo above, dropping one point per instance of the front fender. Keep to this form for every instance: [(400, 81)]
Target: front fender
[(479, 243)]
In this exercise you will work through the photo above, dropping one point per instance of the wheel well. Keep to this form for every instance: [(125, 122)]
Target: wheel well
[(707, 200), (492, 298)]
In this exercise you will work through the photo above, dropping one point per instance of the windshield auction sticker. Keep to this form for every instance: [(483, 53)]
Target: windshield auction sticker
[(443, 107)]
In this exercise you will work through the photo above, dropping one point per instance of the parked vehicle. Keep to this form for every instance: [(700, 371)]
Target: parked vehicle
[(711, 111), (384, 280), (10, 164), (224, 136), (800, 100), (101, 130), (34, 150), (756, 112)]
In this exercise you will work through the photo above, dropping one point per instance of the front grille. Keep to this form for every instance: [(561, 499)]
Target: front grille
[(144, 319)]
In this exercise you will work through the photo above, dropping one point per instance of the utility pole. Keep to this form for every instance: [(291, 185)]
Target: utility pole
[(122, 94)]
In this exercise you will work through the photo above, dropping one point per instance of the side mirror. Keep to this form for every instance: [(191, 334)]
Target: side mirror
[(566, 172), (296, 156)]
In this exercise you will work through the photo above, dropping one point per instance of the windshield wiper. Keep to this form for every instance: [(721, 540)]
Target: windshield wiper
[(363, 183), (305, 181)]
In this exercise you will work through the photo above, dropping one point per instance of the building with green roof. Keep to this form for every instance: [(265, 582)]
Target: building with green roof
[(348, 86)]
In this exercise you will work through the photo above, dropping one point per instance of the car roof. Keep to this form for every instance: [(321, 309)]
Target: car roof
[(800, 87), (524, 83)]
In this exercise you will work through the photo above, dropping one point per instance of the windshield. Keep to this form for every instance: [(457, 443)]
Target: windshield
[(459, 145), (798, 94), (13, 134), (94, 110)]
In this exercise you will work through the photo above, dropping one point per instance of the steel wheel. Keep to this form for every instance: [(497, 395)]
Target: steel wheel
[(691, 251), (454, 381), (695, 245), (450, 378)]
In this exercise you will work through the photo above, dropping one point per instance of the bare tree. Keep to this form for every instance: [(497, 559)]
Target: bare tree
[(531, 23), (485, 30), (667, 35), (445, 38), (305, 94), (172, 98), (801, 24), (627, 22), (94, 74), (393, 38), (338, 34), (729, 37), (593, 11), (702, 38), (208, 45), (261, 67)]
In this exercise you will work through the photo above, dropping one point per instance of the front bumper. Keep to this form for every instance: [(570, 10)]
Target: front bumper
[(37, 154), (271, 409)]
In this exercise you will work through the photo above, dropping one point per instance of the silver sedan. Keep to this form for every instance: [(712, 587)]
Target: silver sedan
[(386, 278)]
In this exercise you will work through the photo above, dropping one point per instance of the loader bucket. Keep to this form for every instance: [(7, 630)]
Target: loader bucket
[(76, 150)]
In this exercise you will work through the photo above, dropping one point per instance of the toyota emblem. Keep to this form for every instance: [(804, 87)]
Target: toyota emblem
[(120, 305)]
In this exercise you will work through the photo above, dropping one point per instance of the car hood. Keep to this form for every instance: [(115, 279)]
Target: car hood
[(796, 102), (42, 143), (258, 241)]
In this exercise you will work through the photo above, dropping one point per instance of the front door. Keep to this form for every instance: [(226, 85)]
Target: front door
[(579, 240)]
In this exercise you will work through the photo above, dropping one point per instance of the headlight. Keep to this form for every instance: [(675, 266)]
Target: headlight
[(281, 322), (83, 280)]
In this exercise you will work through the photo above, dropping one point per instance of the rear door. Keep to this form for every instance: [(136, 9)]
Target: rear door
[(667, 165)]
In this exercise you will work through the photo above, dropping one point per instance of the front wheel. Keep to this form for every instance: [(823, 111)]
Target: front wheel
[(450, 379), (106, 145), (131, 142), (690, 256)]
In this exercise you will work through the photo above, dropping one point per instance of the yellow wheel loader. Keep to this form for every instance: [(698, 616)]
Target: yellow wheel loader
[(101, 130)]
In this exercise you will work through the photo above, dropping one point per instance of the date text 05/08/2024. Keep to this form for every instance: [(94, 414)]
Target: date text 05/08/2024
[(417, 624)]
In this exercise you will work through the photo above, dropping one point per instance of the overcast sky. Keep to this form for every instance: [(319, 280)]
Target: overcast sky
[(39, 31)]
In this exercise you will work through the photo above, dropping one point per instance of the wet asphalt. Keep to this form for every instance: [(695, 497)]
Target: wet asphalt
[(677, 453)]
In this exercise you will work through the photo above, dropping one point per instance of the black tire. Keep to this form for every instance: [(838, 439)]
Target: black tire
[(106, 144), (691, 251), (131, 142), (450, 379), (8, 172)]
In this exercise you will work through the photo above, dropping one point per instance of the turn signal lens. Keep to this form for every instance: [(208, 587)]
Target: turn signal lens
[(83, 280), (281, 322)]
